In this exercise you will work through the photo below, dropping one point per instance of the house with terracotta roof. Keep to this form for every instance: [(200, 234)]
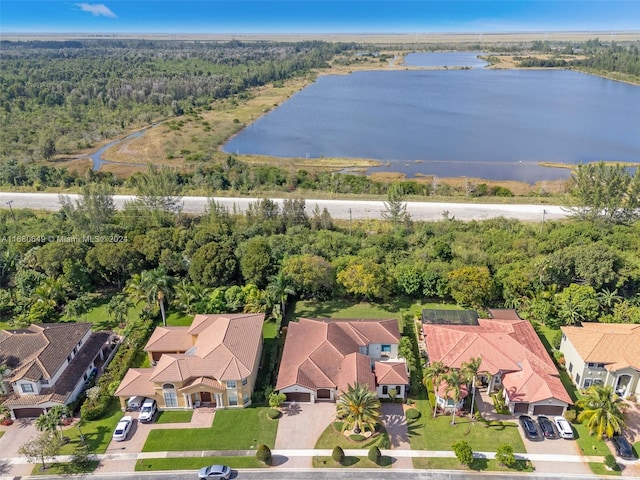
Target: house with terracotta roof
[(214, 362), (513, 359), (48, 364), (322, 357), (603, 354)]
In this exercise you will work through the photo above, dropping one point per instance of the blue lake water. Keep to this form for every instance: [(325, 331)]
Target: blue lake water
[(445, 59), (493, 124)]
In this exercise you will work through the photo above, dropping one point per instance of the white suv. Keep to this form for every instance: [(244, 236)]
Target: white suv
[(564, 427), (148, 410)]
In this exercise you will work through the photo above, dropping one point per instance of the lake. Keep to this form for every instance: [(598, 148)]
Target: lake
[(493, 124)]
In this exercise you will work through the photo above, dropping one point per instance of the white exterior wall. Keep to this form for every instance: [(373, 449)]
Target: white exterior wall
[(572, 359), (399, 388), (17, 387)]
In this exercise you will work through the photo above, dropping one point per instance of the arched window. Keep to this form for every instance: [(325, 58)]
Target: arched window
[(170, 396)]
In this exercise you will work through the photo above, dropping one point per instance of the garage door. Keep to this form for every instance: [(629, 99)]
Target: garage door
[(521, 408), (28, 412), (299, 397), (547, 410)]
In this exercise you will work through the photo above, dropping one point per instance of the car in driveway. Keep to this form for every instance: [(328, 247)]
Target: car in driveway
[(546, 427), (564, 427), (623, 447), (529, 427), (122, 429), (215, 472)]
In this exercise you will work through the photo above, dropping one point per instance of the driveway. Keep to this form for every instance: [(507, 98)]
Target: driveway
[(395, 422), (557, 446), (14, 437)]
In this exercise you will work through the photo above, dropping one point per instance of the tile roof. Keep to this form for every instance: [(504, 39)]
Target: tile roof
[(39, 351), (505, 345), (391, 373), (169, 339), (324, 353), (136, 382), (617, 345)]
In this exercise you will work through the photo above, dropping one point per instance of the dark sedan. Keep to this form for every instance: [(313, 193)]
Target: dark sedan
[(529, 427), (622, 446), (546, 427)]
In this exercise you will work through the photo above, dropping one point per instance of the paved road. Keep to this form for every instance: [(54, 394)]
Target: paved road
[(339, 209)]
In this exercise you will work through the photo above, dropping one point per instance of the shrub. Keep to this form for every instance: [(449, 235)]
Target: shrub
[(357, 438), (264, 454), (273, 413), (570, 415), (413, 414), (610, 462), (338, 455), (505, 456), (374, 455), (463, 452)]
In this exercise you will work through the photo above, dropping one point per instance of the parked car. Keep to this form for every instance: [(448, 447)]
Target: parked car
[(529, 427), (564, 427), (215, 472), (134, 403), (123, 428), (546, 427), (622, 446), (148, 411)]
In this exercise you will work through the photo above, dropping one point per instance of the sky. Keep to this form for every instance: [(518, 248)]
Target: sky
[(316, 16)]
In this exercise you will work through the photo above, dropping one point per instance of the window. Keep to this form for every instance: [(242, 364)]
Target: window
[(26, 387), (564, 337), (386, 348), (578, 378), (597, 381), (231, 384), (233, 400), (595, 365), (170, 397), (44, 381), (587, 382), (570, 367), (244, 381), (69, 357), (385, 390), (245, 398)]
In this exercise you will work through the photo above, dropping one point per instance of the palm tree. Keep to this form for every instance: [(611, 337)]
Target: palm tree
[(608, 299), (187, 295), (281, 287), (602, 409), (358, 408), (152, 287), (57, 413), (118, 308), (46, 423), (434, 373), (470, 370), (454, 380)]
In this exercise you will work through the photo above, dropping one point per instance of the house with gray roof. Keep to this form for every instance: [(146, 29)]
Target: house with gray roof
[(48, 364)]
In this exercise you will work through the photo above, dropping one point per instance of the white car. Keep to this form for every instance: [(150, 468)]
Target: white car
[(215, 472), (564, 427), (122, 429)]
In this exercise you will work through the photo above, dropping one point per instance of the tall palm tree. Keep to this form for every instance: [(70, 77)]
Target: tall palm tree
[(46, 423), (470, 370), (454, 380), (602, 410), (608, 299), (434, 373), (187, 295), (358, 408), (152, 287), (281, 287)]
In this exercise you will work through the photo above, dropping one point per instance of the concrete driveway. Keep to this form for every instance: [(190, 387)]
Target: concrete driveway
[(14, 437), (557, 446)]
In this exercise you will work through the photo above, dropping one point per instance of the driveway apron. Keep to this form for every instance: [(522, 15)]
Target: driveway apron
[(395, 422)]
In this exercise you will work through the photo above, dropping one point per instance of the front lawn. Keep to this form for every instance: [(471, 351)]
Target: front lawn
[(195, 463), (64, 469), (339, 308), (590, 445), (331, 438), (600, 469), (479, 464), (174, 416), (97, 433), (232, 429), (351, 462), (428, 433)]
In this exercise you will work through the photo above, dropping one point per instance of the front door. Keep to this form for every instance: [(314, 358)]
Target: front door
[(205, 397)]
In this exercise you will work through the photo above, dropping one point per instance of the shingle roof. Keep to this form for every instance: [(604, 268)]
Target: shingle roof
[(506, 345), (324, 353), (39, 351), (617, 345)]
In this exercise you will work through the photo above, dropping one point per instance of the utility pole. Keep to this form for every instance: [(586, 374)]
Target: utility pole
[(11, 208), (350, 218), (544, 212)]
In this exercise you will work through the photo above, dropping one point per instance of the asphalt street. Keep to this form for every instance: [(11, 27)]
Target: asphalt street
[(338, 209)]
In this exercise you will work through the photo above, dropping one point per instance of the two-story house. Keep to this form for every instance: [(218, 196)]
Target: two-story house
[(48, 364), (213, 362), (322, 357), (603, 354)]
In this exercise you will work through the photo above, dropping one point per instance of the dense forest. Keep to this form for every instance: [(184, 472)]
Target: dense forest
[(68, 95)]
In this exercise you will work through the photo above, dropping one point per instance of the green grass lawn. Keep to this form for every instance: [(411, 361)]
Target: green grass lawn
[(331, 438), (600, 469), (179, 319), (590, 445), (64, 469), (195, 463), (479, 464), (97, 432), (98, 312), (174, 416), (233, 429), (339, 308), (351, 462), (428, 433)]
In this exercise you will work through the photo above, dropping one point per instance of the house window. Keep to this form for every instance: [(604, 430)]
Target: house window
[(570, 367), (386, 350), (385, 390), (245, 398), (598, 381), (231, 384), (170, 397), (244, 381), (564, 337), (69, 357), (44, 382), (595, 365), (587, 382), (578, 378), (233, 400), (26, 387)]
